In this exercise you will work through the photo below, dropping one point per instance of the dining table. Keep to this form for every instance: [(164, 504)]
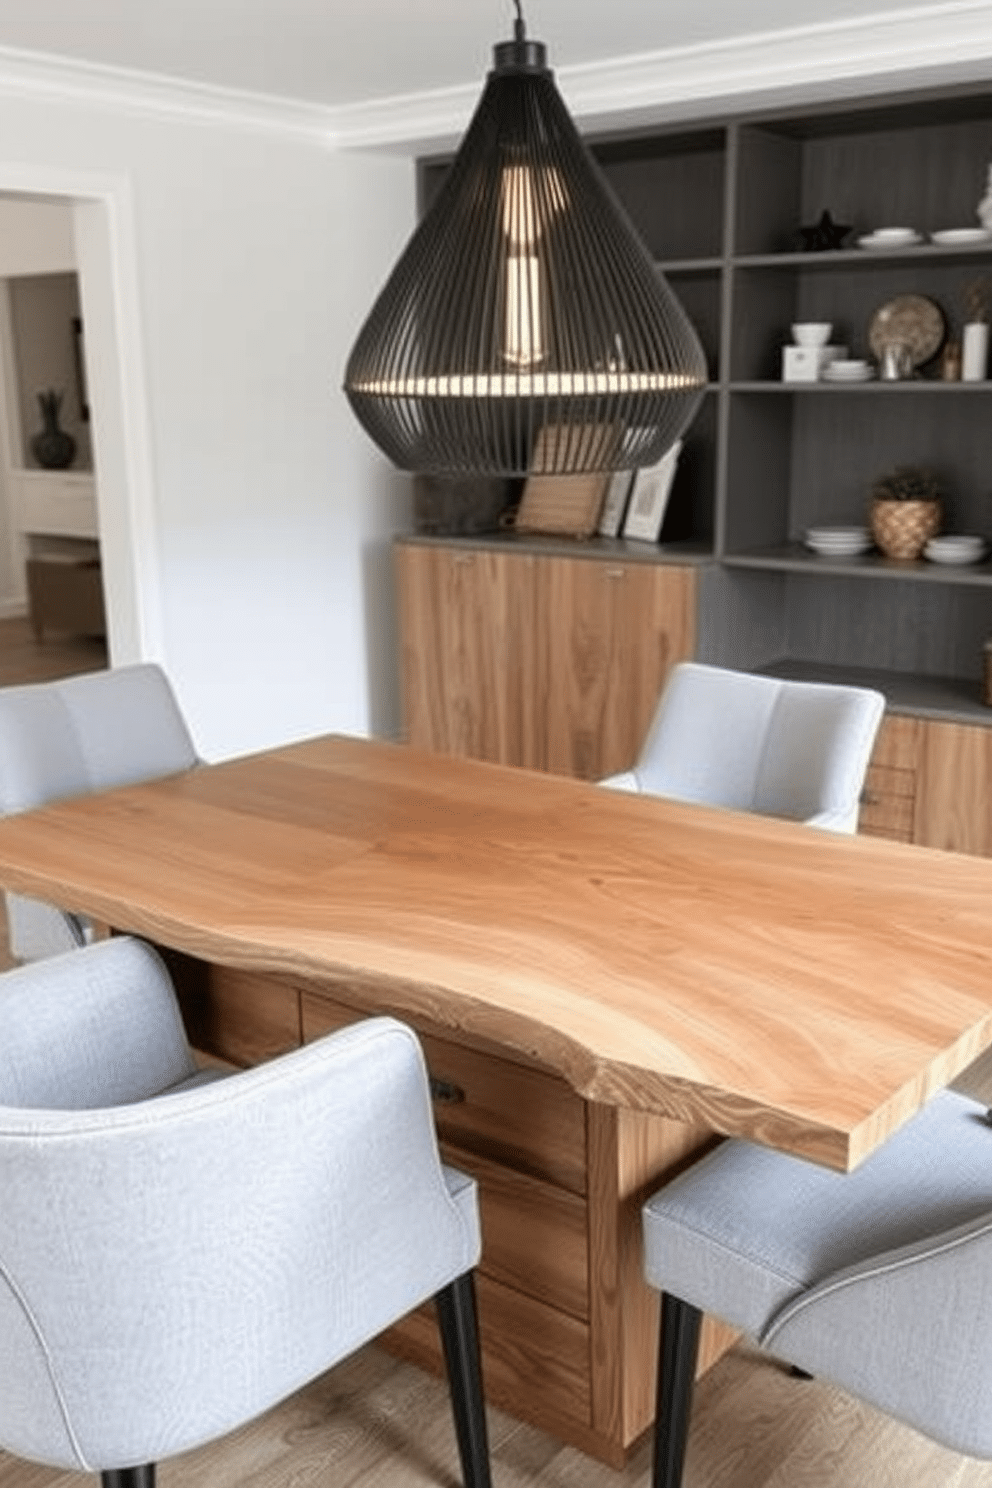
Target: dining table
[(604, 984)]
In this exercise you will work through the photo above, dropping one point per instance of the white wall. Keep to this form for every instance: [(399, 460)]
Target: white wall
[(260, 512)]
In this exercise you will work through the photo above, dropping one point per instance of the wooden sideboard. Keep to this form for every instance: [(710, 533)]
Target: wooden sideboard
[(534, 659), (556, 663), (931, 783)]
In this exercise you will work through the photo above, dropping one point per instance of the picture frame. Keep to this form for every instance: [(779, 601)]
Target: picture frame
[(615, 504), (563, 505), (649, 497)]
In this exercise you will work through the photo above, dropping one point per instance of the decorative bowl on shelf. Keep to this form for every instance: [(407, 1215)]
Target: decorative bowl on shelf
[(811, 332), (956, 548)]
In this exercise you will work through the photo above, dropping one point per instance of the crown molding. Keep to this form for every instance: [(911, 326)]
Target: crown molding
[(921, 46), (63, 80)]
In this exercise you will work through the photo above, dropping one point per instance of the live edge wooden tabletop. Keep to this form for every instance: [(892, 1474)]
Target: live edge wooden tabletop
[(808, 990)]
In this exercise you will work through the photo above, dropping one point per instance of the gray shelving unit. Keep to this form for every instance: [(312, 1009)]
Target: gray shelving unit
[(720, 206)]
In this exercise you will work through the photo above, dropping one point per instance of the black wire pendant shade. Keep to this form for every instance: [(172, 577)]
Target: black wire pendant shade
[(525, 327)]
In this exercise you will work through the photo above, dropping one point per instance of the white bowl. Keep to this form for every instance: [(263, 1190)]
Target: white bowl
[(952, 544), (960, 554), (894, 234), (811, 332)]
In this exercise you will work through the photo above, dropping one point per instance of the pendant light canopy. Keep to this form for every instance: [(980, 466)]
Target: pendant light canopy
[(526, 327)]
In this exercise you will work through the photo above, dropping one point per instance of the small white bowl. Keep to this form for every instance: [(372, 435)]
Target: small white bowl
[(812, 332), (894, 234)]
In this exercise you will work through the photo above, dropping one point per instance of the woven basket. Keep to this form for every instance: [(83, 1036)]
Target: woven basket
[(902, 529)]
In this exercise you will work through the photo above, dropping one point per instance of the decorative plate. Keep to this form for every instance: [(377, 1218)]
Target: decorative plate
[(911, 319)]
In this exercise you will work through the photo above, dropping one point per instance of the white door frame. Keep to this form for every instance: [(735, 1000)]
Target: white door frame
[(106, 251)]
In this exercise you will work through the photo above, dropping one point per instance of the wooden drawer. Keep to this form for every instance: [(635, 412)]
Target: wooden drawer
[(238, 1016), (898, 743), (65, 597), (534, 1235), (56, 505), (888, 803), (508, 1113), (535, 1361)]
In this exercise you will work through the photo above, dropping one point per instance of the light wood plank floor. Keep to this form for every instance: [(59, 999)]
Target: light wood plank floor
[(375, 1422), (23, 659)]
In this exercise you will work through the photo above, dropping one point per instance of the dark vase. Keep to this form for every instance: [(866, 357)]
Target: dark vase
[(53, 447)]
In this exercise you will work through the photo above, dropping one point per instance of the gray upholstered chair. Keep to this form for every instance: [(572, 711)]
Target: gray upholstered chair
[(68, 738), (797, 750), (180, 1252), (878, 1280)]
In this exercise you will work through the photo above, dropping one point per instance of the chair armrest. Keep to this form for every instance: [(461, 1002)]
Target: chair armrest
[(931, 1299)]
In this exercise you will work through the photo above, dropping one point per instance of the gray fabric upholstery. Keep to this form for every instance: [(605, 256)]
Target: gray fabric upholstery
[(880, 1280), (96, 1027), (171, 1268), (797, 750), (72, 737)]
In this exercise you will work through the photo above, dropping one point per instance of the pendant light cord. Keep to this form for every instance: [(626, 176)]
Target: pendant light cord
[(519, 29)]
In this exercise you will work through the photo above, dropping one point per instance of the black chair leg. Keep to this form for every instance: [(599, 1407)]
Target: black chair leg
[(458, 1321), (677, 1353), (129, 1477)]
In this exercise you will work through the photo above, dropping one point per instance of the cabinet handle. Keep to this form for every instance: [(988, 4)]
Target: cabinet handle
[(616, 573), (464, 558), (446, 1092)]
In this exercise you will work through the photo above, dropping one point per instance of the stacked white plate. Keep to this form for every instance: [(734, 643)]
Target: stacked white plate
[(955, 548), (848, 371), (891, 237), (838, 542)]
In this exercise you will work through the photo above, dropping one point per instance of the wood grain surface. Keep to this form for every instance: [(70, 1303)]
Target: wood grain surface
[(753, 977)]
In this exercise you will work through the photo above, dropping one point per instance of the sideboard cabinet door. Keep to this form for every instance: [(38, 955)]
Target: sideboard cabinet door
[(552, 663), (463, 618), (954, 788), (610, 634)]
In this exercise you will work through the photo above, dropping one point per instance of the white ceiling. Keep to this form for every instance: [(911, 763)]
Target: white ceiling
[(340, 52)]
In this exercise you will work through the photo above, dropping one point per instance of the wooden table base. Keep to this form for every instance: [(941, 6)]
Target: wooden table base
[(568, 1325)]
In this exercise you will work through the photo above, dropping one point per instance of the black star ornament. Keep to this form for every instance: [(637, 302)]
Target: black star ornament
[(823, 235)]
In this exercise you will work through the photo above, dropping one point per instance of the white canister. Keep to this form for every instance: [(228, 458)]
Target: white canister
[(974, 351)]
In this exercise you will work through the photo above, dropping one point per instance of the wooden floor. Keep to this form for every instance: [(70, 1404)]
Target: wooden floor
[(23, 659), (375, 1422)]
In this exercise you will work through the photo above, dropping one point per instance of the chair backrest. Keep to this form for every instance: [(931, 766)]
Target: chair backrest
[(797, 750), (111, 1004), (73, 737), (171, 1268)]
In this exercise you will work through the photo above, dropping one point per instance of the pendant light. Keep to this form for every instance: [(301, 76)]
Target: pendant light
[(526, 327)]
